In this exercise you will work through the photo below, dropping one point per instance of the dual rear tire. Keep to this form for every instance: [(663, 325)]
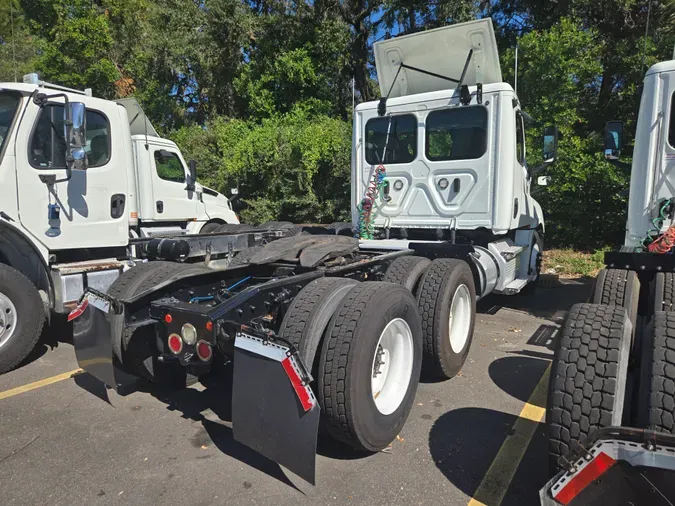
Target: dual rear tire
[(446, 299), (364, 343), (368, 343)]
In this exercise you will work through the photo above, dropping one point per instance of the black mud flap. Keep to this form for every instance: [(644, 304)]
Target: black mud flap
[(274, 410), (92, 337)]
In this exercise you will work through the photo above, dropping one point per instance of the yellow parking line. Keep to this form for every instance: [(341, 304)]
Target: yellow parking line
[(37, 384), (496, 481)]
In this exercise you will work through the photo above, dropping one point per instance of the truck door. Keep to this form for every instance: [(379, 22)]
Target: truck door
[(520, 202), (172, 199), (88, 210)]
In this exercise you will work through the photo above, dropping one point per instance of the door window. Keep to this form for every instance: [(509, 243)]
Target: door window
[(48, 144), (456, 134), (671, 129), (169, 166), (402, 144), (9, 103), (520, 139)]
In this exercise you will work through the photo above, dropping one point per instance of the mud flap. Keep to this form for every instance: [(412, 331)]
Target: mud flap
[(274, 411), (92, 337)]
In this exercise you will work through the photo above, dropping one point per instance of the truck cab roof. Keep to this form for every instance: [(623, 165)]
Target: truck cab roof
[(664, 66), (434, 95)]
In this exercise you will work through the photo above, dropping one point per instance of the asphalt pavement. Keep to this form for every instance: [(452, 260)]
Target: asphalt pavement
[(476, 439)]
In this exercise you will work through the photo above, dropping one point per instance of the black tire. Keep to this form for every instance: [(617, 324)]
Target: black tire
[(235, 228), (588, 376), (341, 228), (664, 292), (407, 271), (289, 228), (135, 349), (346, 365), (442, 280), (28, 317), (618, 287), (210, 228), (656, 405), (310, 312)]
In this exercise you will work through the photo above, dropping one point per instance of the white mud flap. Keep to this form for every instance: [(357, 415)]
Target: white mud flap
[(92, 337), (274, 410)]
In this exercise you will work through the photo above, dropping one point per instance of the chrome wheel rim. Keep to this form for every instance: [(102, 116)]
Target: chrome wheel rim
[(459, 321), (8, 318), (392, 366)]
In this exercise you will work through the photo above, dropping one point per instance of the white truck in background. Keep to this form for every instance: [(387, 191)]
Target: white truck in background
[(611, 399), (64, 228)]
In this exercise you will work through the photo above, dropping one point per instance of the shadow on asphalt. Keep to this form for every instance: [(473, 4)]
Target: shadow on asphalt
[(548, 302), (465, 441), (216, 397), (517, 375), (57, 332)]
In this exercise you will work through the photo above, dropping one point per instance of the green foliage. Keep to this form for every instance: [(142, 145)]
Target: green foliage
[(260, 92), (291, 167)]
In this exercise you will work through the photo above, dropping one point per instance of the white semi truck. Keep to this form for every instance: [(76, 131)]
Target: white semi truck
[(339, 327), (81, 180), (611, 399)]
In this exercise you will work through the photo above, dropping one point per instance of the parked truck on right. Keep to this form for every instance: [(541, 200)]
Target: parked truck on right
[(611, 399)]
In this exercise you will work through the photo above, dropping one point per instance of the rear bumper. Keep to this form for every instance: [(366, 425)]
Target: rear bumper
[(618, 465)]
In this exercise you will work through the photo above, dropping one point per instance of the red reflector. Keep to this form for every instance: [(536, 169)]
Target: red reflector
[(209, 326), (175, 343), (168, 318), (77, 312), (204, 351), (296, 381), (595, 468)]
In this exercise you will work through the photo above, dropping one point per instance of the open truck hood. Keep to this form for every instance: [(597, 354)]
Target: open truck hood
[(441, 51)]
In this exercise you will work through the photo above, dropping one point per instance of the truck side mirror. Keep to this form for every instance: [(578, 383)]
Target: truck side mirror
[(543, 180), (192, 166), (75, 122), (550, 143), (613, 140)]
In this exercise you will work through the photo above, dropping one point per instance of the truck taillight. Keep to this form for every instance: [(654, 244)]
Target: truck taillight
[(175, 344), (204, 351)]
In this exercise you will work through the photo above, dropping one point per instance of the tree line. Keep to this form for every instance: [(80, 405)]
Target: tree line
[(261, 92)]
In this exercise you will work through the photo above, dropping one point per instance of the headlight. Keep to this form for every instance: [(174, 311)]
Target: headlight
[(443, 183), (398, 185), (189, 334)]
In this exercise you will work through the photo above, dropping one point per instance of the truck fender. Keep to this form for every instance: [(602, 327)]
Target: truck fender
[(18, 251)]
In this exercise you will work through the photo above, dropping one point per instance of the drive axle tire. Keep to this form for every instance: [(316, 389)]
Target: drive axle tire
[(288, 227), (588, 376), (447, 305), (307, 318), (407, 271), (136, 349), (664, 293), (657, 386), (236, 228), (341, 228), (210, 228), (370, 365), (22, 315), (618, 287)]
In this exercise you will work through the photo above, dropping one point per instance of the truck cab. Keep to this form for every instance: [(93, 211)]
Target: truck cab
[(81, 178), (444, 151), (653, 167)]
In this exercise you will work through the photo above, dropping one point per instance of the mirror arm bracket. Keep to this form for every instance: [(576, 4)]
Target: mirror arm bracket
[(541, 167)]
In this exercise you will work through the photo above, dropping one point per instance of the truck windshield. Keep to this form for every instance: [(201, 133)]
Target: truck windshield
[(9, 103)]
